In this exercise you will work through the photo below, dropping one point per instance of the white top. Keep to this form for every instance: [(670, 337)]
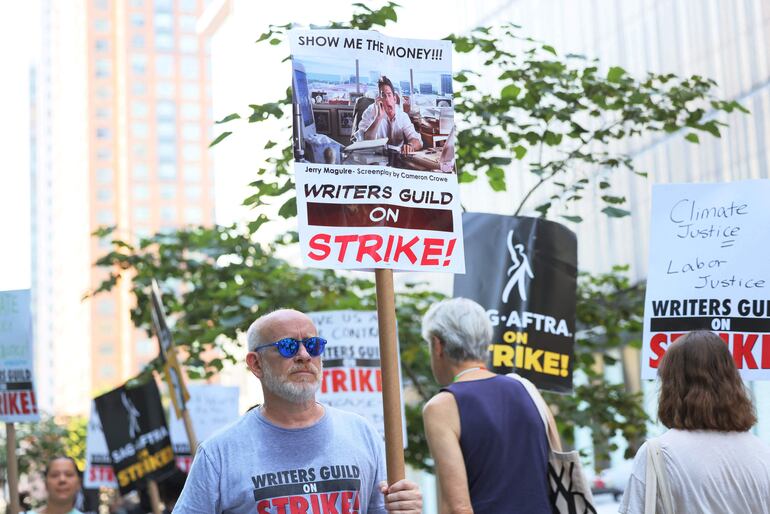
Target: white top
[(709, 473), (398, 131)]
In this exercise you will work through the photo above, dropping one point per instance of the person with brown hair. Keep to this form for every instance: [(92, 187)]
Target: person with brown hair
[(62, 482), (710, 460)]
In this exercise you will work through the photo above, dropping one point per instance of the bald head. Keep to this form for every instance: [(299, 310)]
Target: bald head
[(277, 325)]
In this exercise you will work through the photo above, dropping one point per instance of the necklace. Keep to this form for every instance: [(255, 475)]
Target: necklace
[(466, 371)]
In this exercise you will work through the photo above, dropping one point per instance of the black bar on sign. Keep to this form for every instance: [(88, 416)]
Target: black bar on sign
[(368, 363), (333, 363), (704, 323), (16, 386)]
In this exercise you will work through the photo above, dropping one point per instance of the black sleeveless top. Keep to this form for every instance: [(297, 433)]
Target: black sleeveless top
[(504, 445)]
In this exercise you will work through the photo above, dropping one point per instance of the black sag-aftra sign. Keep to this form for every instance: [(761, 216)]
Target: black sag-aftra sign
[(137, 435), (523, 271)]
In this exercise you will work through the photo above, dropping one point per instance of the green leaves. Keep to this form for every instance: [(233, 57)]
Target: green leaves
[(615, 73), (692, 137), (614, 212), (221, 137)]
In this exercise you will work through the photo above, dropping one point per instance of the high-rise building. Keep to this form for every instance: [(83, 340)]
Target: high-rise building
[(426, 88), (122, 120), (149, 122), (446, 84), (405, 89)]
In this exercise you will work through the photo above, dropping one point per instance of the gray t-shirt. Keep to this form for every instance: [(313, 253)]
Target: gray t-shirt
[(252, 466), (708, 472)]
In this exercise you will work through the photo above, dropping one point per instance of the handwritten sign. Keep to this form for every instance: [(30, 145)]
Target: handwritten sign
[(211, 407), (708, 270), (352, 379), (17, 391)]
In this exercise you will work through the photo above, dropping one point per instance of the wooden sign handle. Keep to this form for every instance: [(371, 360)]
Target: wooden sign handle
[(13, 467), (391, 387)]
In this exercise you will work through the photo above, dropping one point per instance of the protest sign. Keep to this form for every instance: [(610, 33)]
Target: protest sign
[(17, 391), (172, 370), (211, 408), (352, 379), (374, 152), (136, 433), (98, 472), (523, 271), (708, 271)]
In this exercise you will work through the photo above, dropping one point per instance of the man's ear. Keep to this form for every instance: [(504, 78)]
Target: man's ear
[(254, 363), (438, 346)]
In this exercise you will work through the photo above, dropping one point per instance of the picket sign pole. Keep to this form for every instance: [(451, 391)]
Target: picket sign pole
[(391, 387), (188, 426), (152, 490), (13, 467)]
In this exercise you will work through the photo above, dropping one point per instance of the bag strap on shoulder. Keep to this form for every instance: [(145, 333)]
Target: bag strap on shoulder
[(656, 478)]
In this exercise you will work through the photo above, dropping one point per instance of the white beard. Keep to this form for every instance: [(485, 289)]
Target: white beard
[(294, 392)]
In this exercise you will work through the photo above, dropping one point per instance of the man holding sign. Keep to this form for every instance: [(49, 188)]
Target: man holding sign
[(293, 454)]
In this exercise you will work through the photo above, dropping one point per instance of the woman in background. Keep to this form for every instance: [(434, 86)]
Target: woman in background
[(62, 481), (712, 463)]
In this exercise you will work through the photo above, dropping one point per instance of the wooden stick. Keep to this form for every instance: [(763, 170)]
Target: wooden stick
[(152, 490), (391, 388), (193, 440), (13, 467)]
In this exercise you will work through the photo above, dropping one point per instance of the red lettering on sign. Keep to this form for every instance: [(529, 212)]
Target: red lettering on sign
[(320, 244), (742, 350), (353, 379), (17, 403), (741, 346), (298, 505)]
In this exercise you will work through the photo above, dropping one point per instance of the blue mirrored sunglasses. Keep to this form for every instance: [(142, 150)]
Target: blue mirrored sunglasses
[(288, 346)]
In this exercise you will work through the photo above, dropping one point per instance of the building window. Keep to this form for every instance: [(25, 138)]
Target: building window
[(164, 65), (167, 171), (166, 152), (188, 5), (191, 92), (106, 306), (141, 213), (106, 348), (102, 25), (191, 152), (139, 109), (103, 68), (167, 214), (139, 63), (105, 217), (138, 42), (103, 113), (102, 133), (102, 45), (137, 20), (187, 23), (193, 215), (103, 154), (188, 44), (192, 193), (190, 68), (139, 151), (164, 41), (139, 88), (141, 192), (191, 132), (164, 5), (140, 172), (168, 191), (191, 111), (166, 110), (103, 93), (139, 130), (104, 175), (145, 346), (106, 371), (104, 194), (192, 173), (101, 4), (166, 130), (165, 90)]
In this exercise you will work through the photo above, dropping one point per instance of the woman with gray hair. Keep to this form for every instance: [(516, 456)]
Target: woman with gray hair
[(484, 431)]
